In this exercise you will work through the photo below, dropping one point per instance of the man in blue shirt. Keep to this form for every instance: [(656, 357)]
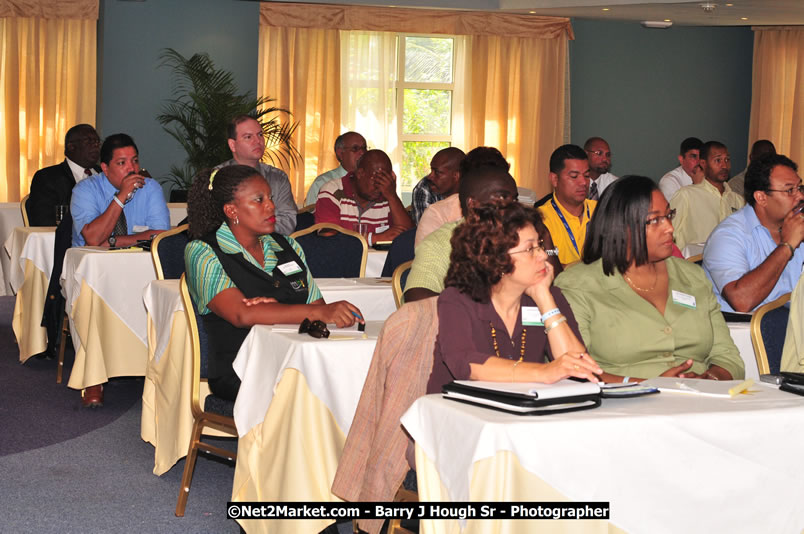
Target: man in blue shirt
[(119, 206), (754, 256)]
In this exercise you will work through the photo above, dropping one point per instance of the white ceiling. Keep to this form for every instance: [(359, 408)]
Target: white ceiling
[(755, 12)]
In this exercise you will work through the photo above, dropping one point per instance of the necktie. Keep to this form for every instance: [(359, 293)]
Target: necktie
[(593, 191), (88, 172), (121, 227)]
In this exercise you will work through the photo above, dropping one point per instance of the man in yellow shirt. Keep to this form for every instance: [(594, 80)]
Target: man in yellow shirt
[(700, 207), (567, 213)]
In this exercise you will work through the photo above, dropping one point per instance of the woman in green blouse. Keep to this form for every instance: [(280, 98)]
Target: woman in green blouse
[(641, 312)]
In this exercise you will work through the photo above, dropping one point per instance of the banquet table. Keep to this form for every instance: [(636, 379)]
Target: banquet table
[(665, 463), (103, 290), (166, 416), (31, 253), (293, 412)]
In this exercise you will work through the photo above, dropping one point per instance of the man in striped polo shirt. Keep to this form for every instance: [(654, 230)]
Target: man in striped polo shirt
[(365, 200)]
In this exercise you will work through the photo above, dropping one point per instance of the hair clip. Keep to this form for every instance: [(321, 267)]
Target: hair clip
[(212, 177)]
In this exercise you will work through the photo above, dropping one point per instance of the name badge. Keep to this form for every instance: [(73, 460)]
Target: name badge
[(682, 299), (381, 229), (289, 268), (531, 316)]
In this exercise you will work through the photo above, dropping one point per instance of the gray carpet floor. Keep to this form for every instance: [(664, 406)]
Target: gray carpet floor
[(102, 481)]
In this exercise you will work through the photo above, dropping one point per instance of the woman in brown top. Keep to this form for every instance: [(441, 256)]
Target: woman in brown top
[(500, 319)]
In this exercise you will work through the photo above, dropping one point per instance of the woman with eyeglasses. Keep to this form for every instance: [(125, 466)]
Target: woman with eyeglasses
[(643, 313), (240, 272), (500, 318)]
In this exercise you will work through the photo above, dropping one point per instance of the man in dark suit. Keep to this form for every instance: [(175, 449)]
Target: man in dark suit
[(53, 186)]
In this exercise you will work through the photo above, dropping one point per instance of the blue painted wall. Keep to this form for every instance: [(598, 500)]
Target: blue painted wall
[(131, 86), (645, 90)]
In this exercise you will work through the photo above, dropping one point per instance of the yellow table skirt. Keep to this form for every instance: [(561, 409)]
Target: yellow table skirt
[(167, 418), (108, 348), (291, 456), (28, 309), (500, 478)]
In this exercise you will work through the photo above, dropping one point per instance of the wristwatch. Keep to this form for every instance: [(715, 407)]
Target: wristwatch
[(112, 240)]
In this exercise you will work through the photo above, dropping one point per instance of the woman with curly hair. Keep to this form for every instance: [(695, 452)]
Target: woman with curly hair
[(241, 273), (499, 317)]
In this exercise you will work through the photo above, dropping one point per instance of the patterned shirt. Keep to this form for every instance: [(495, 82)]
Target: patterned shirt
[(206, 277), (423, 196), (336, 204)]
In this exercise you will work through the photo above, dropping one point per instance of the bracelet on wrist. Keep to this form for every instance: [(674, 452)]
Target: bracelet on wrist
[(555, 323), (549, 313), (788, 245), (118, 201)]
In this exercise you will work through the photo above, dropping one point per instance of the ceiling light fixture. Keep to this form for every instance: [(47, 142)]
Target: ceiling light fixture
[(656, 24), (708, 7), (743, 18), (605, 9)]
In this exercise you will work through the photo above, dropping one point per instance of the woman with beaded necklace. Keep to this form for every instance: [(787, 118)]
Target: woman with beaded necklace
[(500, 319)]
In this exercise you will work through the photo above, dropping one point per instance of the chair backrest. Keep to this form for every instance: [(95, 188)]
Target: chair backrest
[(696, 259), (401, 251), (199, 344), (340, 255), (167, 251), (304, 219), (398, 281), (24, 210), (768, 329)]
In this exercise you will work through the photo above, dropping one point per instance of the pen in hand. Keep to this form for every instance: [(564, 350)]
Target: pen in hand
[(361, 325)]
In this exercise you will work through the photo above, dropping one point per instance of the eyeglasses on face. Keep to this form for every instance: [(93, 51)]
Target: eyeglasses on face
[(535, 249), (789, 192), (599, 153), (661, 218), (317, 329)]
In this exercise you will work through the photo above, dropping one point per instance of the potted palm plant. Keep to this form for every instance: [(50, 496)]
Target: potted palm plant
[(206, 98)]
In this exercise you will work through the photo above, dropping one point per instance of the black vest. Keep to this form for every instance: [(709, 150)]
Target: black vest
[(224, 338)]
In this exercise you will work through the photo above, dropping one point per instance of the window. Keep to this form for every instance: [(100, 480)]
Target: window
[(424, 94), (398, 91)]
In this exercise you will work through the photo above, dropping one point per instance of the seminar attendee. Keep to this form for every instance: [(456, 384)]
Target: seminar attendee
[(641, 312), (348, 149), (247, 143), (449, 209), (700, 207), (754, 257), (758, 149), (241, 273), (432, 260), (118, 207), (599, 166), (53, 186), (365, 200), (440, 183), (568, 211), (687, 173)]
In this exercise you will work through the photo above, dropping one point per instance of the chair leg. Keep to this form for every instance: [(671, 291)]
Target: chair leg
[(65, 328), (189, 467)]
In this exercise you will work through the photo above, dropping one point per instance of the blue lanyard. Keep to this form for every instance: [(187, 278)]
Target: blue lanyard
[(566, 226)]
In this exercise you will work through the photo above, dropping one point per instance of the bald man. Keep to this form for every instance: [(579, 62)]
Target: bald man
[(365, 200), (440, 183), (599, 154)]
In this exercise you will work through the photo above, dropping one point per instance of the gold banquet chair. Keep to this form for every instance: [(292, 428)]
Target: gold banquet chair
[(216, 412), (768, 330), (340, 253), (24, 210), (167, 251), (398, 282)]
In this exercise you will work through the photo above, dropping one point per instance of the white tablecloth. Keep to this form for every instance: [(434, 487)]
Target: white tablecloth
[(119, 279), (32, 243), (741, 335), (335, 370), (375, 262), (666, 463), (10, 218)]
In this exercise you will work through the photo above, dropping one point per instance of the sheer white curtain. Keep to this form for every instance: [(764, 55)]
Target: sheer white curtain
[(368, 95)]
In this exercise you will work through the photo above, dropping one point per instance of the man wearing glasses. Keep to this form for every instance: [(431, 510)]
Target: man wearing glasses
[(348, 149), (754, 256), (599, 166), (700, 207)]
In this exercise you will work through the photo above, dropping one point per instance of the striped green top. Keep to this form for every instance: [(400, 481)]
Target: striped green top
[(206, 277)]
